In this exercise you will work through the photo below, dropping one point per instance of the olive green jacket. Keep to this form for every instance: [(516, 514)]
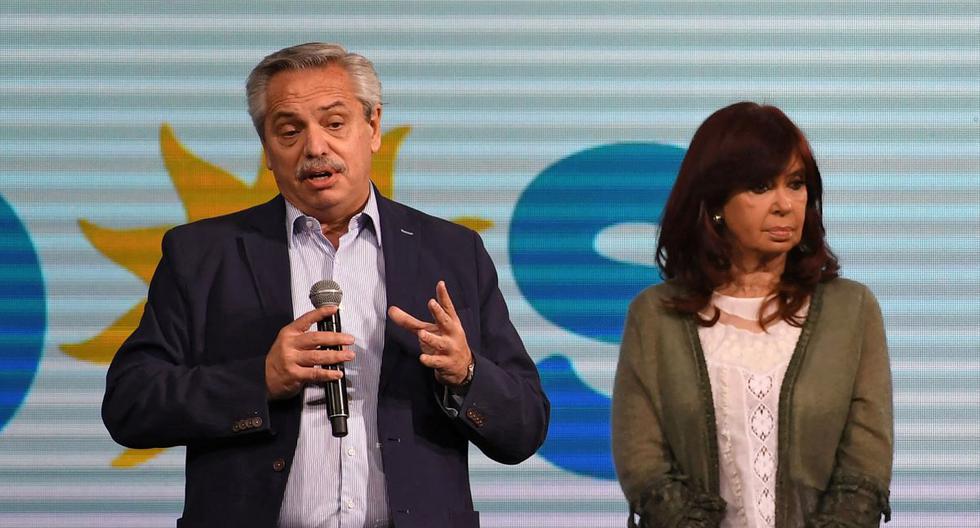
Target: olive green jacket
[(835, 417)]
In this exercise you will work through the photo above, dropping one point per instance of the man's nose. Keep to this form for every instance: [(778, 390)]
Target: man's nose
[(317, 143)]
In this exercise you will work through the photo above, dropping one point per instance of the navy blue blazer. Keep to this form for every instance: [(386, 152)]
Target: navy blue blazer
[(193, 372)]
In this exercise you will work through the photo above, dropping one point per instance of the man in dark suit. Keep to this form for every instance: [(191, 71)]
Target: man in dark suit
[(225, 360)]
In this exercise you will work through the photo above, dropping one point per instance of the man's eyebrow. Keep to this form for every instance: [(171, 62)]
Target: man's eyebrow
[(331, 106), (287, 114), (280, 114)]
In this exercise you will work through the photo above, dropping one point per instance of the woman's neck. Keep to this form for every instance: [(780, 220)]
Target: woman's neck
[(755, 278)]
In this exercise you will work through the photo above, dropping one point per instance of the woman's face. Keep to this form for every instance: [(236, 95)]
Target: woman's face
[(766, 221)]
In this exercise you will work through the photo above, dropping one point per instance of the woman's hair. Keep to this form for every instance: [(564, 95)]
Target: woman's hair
[(737, 148)]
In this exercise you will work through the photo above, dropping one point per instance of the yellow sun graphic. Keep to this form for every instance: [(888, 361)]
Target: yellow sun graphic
[(205, 190)]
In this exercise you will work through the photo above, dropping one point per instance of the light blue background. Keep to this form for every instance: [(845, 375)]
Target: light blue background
[(496, 92)]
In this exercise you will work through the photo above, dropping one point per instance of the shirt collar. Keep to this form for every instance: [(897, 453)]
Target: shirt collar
[(297, 221)]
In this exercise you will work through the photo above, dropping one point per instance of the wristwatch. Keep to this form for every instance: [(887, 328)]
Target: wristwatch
[(469, 375)]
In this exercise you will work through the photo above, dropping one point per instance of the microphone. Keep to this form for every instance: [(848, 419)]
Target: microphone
[(328, 293)]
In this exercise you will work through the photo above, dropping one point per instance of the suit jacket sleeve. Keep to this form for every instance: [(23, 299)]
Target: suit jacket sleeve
[(858, 491), (160, 389), (505, 411)]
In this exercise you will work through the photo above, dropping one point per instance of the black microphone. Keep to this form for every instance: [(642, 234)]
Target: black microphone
[(328, 293)]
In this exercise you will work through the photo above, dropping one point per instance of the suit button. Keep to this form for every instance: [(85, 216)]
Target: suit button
[(257, 421), (237, 427), (475, 416), (278, 465)]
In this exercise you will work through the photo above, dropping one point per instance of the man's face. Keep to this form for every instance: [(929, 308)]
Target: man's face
[(318, 143)]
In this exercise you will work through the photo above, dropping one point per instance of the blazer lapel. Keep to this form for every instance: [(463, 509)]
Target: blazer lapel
[(401, 236), (264, 250)]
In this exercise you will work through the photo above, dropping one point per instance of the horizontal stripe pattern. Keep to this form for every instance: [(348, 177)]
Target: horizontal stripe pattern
[(495, 92)]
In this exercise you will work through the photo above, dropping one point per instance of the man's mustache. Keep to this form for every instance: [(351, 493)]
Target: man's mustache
[(313, 166)]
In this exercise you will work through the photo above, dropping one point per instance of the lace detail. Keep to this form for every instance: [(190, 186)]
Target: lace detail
[(726, 450), (852, 500), (766, 506), (762, 423), (669, 501), (747, 350), (746, 370), (762, 426)]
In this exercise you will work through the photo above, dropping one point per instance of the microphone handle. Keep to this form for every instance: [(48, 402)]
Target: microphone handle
[(337, 407)]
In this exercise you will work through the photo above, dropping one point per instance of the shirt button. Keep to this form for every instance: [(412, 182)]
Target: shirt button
[(350, 451), (350, 505)]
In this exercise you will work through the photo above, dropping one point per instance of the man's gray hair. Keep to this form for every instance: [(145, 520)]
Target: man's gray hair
[(367, 86)]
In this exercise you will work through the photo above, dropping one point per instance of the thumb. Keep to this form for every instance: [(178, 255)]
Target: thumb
[(303, 322)]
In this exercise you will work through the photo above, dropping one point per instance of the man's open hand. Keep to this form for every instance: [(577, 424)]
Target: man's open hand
[(443, 343)]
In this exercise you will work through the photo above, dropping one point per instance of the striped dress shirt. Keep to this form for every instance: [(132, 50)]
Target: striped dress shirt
[(340, 482)]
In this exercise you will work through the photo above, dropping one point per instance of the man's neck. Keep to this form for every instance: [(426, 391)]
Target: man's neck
[(335, 226)]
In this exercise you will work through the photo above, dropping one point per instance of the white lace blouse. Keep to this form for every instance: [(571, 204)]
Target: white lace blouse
[(746, 370)]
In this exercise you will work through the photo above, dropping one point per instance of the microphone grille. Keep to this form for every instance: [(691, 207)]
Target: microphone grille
[(326, 293)]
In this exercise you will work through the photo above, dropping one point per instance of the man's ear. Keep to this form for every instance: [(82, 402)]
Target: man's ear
[(375, 123)]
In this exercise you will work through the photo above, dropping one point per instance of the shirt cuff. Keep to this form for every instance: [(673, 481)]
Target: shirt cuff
[(452, 400)]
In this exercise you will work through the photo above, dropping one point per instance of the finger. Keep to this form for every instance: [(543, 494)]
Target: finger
[(310, 318), (311, 340), (320, 375), (406, 321), (440, 344), (435, 361), (442, 317), (310, 358), (442, 293)]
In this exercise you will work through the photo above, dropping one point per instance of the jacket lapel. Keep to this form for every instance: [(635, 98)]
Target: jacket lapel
[(401, 236), (263, 248)]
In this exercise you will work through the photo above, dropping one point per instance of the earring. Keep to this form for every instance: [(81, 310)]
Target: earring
[(716, 218)]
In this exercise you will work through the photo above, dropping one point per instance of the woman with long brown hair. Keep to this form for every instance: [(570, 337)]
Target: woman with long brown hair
[(753, 387)]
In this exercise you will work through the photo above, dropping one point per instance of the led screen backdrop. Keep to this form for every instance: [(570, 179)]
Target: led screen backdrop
[(555, 129)]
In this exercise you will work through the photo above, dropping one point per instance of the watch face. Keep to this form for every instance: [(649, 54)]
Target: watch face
[(469, 374)]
